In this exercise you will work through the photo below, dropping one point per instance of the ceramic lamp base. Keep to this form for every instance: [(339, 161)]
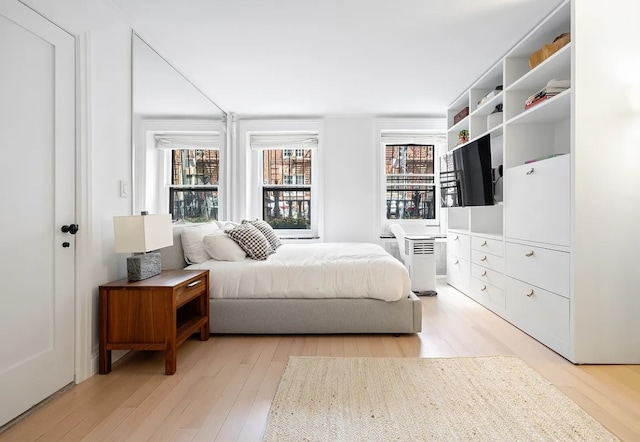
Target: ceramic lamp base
[(143, 266)]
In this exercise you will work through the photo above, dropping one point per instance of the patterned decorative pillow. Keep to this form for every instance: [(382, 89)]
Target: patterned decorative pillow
[(267, 231), (252, 241)]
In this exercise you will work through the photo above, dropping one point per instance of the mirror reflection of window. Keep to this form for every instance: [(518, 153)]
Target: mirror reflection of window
[(178, 141)]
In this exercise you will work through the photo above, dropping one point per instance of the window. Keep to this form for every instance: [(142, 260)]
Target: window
[(190, 168), (286, 188), (283, 175), (193, 192), (410, 188)]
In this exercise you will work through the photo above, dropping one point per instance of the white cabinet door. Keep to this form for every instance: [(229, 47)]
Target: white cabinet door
[(37, 123), (458, 272), (537, 201), (458, 245)]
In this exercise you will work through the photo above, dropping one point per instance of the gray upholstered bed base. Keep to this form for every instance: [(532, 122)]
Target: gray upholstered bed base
[(315, 316), (304, 316)]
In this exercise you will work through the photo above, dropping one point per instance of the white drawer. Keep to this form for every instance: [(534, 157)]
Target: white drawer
[(488, 292), (537, 201), (488, 260), (547, 269), (458, 273), (487, 275), (541, 314), (458, 245), (493, 246)]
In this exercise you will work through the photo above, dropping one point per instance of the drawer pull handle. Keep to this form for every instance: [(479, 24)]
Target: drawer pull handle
[(484, 243), (484, 273), (530, 294), (456, 238), (456, 263), (529, 253), (484, 287), (194, 283), (530, 171), (484, 258)]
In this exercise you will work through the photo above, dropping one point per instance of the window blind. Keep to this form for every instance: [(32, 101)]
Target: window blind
[(209, 141), (283, 141)]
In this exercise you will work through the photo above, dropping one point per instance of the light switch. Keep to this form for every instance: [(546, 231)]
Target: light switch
[(124, 189)]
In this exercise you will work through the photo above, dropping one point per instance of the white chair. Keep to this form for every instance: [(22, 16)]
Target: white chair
[(399, 233)]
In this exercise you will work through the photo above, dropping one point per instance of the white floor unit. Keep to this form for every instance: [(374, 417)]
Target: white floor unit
[(421, 263)]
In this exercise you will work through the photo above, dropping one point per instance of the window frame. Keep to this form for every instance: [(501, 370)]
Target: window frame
[(152, 165), (251, 186), (170, 187), (434, 185), (402, 131), (294, 186)]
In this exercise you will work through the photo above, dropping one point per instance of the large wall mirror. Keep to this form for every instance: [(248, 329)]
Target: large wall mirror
[(179, 138)]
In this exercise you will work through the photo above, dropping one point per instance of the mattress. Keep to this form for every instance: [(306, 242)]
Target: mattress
[(316, 270)]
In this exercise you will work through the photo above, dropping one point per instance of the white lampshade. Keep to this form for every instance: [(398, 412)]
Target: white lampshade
[(142, 233)]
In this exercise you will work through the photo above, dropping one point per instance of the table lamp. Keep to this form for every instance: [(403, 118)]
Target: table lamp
[(139, 234)]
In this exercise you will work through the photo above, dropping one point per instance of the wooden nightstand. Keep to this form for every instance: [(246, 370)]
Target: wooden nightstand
[(158, 313)]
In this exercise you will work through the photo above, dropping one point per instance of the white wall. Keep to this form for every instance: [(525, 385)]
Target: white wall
[(104, 157), (349, 154)]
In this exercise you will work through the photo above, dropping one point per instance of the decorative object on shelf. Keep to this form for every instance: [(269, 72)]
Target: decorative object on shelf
[(139, 234), (460, 115), (546, 157), (549, 49), (553, 88), (490, 95), (463, 136), (495, 117)]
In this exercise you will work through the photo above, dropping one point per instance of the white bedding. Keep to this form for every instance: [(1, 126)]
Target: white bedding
[(317, 270)]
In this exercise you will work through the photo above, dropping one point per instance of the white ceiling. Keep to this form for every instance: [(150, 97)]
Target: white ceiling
[(333, 57)]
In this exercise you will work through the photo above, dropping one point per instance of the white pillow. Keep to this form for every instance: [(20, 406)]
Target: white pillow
[(227, 224), (193, 242), (222, 248)]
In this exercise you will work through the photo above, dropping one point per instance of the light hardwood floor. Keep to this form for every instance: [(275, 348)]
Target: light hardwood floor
[(223, 388)]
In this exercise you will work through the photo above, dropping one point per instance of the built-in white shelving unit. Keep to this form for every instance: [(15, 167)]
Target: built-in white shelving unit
[(518, 257)]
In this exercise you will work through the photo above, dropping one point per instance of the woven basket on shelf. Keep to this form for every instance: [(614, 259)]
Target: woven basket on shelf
[(549, 49)]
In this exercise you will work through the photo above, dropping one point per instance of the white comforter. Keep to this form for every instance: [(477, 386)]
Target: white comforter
[(318, 270)]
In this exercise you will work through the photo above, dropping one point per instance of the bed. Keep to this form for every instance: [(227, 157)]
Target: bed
[(284, 295)]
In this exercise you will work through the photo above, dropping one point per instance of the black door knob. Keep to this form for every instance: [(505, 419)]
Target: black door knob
[(71, 228), (65, 244)]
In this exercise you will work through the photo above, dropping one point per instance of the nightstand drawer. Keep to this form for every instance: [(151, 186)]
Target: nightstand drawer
[(190, 290)]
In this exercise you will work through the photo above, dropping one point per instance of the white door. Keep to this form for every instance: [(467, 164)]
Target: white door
[(37, 175)]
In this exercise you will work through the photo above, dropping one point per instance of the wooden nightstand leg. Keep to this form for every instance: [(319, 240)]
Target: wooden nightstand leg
[(170, 358), (104, 355), (204, 306), (104, 361)]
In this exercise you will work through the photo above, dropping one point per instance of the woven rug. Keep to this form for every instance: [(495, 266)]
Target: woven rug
[(415, 399)]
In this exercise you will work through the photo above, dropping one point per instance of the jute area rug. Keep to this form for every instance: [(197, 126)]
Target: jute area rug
[(497, 398)]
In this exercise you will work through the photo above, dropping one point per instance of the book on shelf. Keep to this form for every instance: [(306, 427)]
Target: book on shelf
[(552, 88), (529, 104)]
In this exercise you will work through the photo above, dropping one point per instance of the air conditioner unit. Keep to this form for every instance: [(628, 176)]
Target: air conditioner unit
[(421, 263)]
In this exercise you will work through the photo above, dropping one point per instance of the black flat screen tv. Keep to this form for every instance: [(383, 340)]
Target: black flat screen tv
[(466, 175)]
